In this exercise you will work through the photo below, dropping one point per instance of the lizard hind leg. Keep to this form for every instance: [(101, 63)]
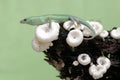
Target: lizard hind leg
[(79, 22), (75, 21)]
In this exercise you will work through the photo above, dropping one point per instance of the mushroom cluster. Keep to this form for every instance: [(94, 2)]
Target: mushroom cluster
[(46, 33), (75, 57), (96, 71)]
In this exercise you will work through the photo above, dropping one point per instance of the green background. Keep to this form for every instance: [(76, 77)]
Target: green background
[(18, 61)]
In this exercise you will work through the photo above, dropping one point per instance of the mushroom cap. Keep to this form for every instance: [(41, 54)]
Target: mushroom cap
[(74, 38), (84, 59), (47, 33), (104, 61)]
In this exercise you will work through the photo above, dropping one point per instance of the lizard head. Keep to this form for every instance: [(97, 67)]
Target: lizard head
[(33, 20), (25, 21)]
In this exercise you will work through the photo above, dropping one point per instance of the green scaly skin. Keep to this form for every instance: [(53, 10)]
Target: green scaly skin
[(38, 20)]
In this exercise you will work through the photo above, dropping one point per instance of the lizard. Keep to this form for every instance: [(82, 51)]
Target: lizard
[(60, 18)]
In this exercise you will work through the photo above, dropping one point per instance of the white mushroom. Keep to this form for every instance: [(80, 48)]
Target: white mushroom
[(104, 34), (101, 68), (74, 38), (115, 33), (92, 69), (84, 59), (75, 63), (87, 32), (47, 33), (39, 46), (69, 25), (97, 71), (96, 26), (104, 61), (97, 75)]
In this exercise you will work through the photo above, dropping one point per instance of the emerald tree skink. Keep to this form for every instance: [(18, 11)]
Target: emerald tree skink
[(38, 20)]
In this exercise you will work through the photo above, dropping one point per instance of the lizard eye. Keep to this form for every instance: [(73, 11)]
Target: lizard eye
[(25, 19)]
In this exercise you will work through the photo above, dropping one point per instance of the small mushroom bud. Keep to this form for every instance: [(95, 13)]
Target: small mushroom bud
[(104, 34), (75, 63)]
